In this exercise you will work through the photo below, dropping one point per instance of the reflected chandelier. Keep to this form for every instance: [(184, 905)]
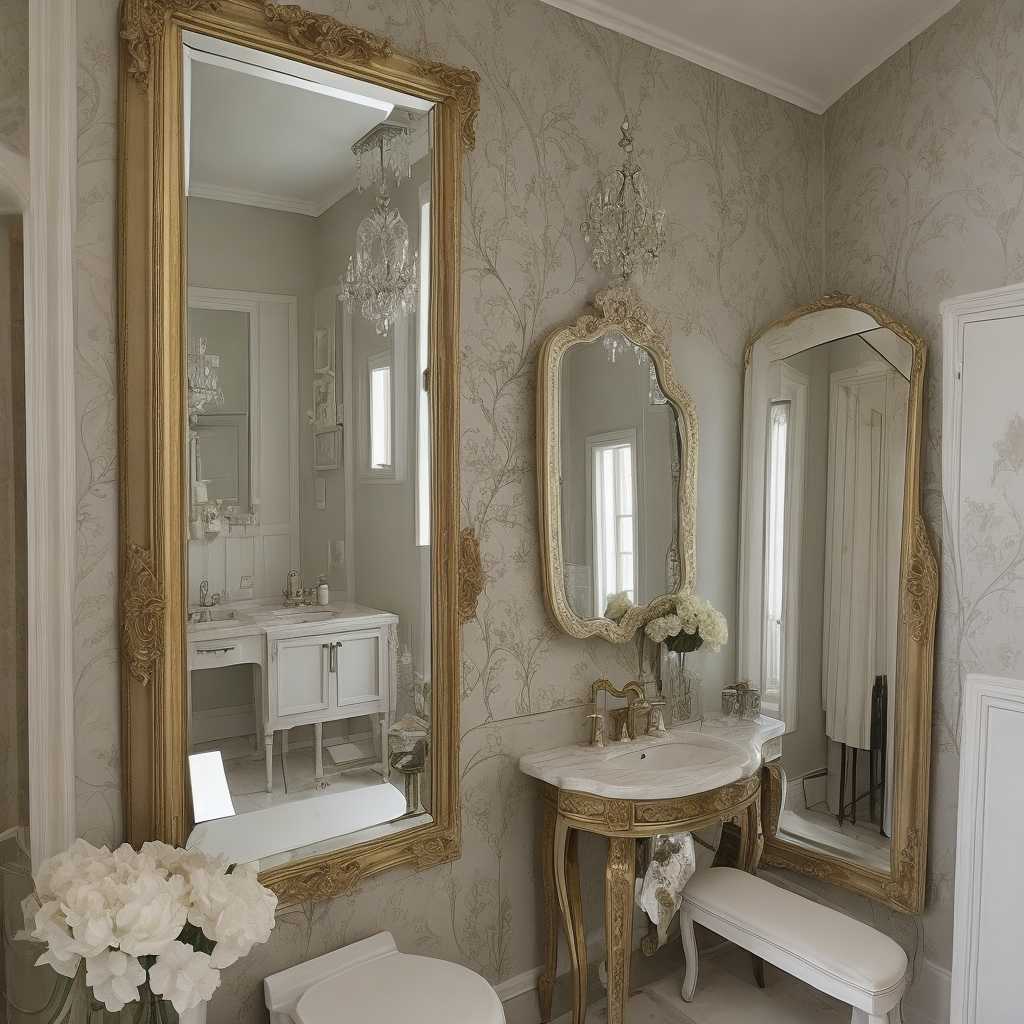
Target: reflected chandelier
[(381, 277), (627, 230), (204, 389)]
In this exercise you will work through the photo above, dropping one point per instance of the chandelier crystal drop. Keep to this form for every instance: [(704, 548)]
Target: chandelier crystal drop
[(204, 389), (624, 228), (381, 276)]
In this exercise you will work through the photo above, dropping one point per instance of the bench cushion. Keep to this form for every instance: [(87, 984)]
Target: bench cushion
[(823, 939)]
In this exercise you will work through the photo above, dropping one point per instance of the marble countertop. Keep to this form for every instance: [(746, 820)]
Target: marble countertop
[(717, 751), (255, 618)]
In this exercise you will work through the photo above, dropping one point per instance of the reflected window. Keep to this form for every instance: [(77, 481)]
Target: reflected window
[(423, 394), (775, 549), (613, 476), (380, 414)]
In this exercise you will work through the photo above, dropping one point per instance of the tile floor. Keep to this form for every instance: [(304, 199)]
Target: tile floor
[(293, 775), (726, 994)]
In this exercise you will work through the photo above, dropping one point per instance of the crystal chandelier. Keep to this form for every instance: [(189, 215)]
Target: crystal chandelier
[(615, 344), (627, 230), (381, 277), (204, 388)]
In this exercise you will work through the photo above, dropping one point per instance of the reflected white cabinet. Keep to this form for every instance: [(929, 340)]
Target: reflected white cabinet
[(328, 676)]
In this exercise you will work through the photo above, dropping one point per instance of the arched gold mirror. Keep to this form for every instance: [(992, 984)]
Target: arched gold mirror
[(838, 594), (616, 470)]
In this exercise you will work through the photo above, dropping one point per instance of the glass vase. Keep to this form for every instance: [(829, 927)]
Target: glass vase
[(679, 691)]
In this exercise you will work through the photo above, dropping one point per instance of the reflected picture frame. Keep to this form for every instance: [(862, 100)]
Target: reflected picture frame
[(326, 449)]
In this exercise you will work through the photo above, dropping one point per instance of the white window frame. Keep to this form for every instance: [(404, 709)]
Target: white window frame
[(422, 377), (395, 357), (792, 388), (600, 442)]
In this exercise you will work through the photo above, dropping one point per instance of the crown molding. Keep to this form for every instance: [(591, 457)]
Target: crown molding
[(660, 38), (610, 16), (222, 194)]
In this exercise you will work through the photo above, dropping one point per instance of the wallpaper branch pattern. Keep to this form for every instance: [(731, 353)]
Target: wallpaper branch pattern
[(740, 176), (924, 200), (921, 168)]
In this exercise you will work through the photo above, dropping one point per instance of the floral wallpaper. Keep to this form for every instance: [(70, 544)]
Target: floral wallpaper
[(740, 174), (925, 201), (14, 74)]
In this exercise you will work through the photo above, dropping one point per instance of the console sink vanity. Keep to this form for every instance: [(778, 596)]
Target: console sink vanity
[(317, 664), (680, 780)]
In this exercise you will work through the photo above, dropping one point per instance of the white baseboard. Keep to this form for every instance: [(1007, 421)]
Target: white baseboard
[(927, 1000)]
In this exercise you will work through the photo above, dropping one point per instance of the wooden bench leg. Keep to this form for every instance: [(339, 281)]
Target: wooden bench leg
[(690, 953)]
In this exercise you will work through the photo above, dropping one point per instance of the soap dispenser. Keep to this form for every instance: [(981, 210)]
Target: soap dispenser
[(323, 594)]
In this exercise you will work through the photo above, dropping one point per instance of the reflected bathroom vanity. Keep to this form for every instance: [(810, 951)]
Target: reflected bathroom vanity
[(311, 666)]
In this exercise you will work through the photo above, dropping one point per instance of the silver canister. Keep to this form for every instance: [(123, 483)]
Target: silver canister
[(730, 702), (750, 704)]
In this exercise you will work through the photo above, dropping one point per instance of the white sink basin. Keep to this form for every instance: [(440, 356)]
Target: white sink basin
[(695, 752), (691, 758)]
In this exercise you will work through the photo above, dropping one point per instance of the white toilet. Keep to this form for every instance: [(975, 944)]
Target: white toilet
[(371, 981)]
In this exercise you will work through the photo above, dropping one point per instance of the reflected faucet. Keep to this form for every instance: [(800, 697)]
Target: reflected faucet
[(206, 602)]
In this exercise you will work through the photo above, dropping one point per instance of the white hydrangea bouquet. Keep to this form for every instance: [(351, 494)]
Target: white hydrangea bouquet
[(156, 925), (691, 623)]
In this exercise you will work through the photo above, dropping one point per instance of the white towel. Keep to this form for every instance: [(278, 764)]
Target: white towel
[(660, 892)]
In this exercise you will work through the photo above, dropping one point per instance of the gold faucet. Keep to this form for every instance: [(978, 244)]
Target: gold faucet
[(637, 705)]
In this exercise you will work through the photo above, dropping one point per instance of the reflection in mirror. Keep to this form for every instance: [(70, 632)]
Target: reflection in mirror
[(620, 457), (309, 634), (827, 430)]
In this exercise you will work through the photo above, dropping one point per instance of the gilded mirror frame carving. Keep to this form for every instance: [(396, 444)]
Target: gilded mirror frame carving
[(904, 886), (151, 307), (614, 309)]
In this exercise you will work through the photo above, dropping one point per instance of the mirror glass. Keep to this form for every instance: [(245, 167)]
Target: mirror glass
[(308, 451), (621, 448), (826, 434)]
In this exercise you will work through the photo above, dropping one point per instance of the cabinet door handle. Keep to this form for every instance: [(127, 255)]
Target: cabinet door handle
[(334, 657), (214, 650)]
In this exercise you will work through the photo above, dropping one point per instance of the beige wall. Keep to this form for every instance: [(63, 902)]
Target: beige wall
[(14, 74), (740, 176)]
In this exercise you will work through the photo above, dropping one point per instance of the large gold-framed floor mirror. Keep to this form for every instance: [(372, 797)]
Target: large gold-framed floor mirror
[(292, 571), (838, 594)]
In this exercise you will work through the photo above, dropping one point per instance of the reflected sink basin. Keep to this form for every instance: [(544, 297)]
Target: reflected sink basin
[(205, 616), (303, 614), (696, 752)]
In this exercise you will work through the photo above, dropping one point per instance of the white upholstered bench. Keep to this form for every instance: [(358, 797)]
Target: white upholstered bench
[(822, 947)]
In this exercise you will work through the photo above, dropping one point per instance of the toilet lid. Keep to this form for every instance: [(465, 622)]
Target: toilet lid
[(398, 989)]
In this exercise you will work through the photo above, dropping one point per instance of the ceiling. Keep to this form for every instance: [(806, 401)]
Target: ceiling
[(266, 143), (808, 52)]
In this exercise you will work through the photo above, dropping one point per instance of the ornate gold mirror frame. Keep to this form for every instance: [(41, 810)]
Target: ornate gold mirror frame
[(617, 310), (903, 887), (151, 289)]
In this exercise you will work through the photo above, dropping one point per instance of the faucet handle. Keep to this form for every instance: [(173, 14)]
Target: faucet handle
[(596, 729)]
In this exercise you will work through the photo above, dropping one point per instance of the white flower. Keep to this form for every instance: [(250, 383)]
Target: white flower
[(151, 913), (80, 862), (234, 910), (114, 978), (662, 628), (618, 605), (184, 976), (48, 925), (89, 916)]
